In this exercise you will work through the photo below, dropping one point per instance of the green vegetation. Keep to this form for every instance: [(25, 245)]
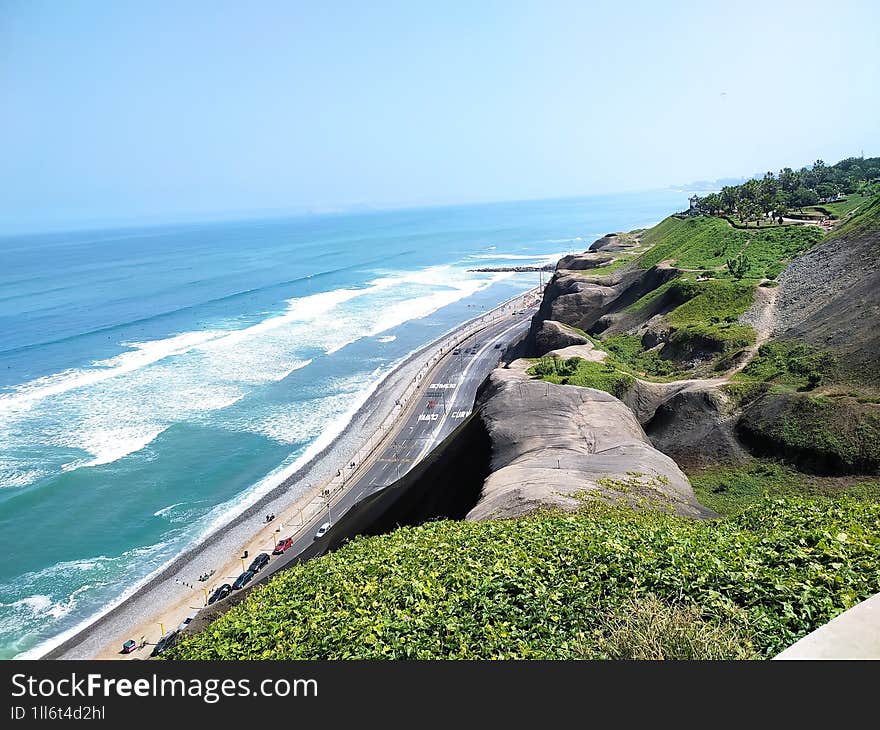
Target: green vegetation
[(626, 353), (865, 221), (577, 371), (823, 434), (648, 299), (708, 317), (693, 243), (774, 195), (730, 489), (562, 585), (707, 243), (649, 630), (842, 208), (790, 363), (606, 269)]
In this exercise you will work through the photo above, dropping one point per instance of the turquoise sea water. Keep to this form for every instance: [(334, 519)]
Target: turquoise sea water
[(154, 381)]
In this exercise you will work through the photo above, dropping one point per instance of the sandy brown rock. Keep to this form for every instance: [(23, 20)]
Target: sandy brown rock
[(555, 335), (587, 352), (552, 442)]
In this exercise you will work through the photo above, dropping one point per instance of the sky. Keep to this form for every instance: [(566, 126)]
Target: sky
[(162, 111)]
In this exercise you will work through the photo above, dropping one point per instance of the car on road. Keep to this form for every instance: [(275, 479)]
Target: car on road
[(243, 580), (221, 592), (129, 646), (260, 562), (187, 621), (166, 642), (283, 545), (322, 530), (497, 345)]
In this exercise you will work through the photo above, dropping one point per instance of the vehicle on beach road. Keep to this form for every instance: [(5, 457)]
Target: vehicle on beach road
[(129, 646), (221, 592), (260, 562), (322, 530), (243, 580), (188, 620), (166, 642), (282, 546)]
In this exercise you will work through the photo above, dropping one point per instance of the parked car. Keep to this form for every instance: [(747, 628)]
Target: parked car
[(221, 592), (243, 580), (322, 530), (283, 545), (187, 621), (166, 642), (260, 562), (129, 646)]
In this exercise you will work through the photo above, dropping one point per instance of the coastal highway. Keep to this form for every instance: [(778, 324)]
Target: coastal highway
[(445, 398), (447, 385)]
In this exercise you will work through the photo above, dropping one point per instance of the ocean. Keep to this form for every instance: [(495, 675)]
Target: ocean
[(156, 381)]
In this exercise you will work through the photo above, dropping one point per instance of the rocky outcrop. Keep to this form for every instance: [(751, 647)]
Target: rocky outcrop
[(558, 445), (832, 436), (580, 301), (583, 261), (554, 335), (614, 242), (515, 269), (587, 352), (696, 427)]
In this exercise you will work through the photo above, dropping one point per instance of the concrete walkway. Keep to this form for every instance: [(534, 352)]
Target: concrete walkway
[(855, 634)]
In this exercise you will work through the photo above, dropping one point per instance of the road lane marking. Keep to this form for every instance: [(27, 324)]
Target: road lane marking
[(430, 442)]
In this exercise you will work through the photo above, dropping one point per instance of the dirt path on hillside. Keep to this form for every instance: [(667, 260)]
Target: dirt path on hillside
[(761, 316)]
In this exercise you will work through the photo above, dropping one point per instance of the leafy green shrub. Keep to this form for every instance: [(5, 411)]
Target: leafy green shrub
[(577, 371), (542, 586)]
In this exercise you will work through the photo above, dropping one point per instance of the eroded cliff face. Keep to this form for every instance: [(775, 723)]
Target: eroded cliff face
[(575, 298), (558, 445)]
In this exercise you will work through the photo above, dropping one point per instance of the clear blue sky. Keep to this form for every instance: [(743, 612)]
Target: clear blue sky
[(154, 110)]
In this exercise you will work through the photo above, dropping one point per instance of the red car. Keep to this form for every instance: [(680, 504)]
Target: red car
[(283, 545)]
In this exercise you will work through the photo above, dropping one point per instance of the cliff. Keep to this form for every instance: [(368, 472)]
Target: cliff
[(557, 446)]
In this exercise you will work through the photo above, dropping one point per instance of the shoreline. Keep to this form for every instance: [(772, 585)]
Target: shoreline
[(160, 591)]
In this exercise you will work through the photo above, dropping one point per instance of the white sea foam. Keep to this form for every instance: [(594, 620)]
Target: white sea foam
[(120, 405), (386, 338), (165, 510), (221, 515), (537, 259), (28, 615)]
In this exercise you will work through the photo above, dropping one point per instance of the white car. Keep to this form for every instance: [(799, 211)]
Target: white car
[(322, 530)]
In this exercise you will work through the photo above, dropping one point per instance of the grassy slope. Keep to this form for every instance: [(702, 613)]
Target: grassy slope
[(730, 489), (865, 221), (704, 242), (805, 402), (843, 208), (546, 585)]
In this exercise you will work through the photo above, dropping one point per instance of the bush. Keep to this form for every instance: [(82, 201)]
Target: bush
[(577, 371), (543, 587)]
